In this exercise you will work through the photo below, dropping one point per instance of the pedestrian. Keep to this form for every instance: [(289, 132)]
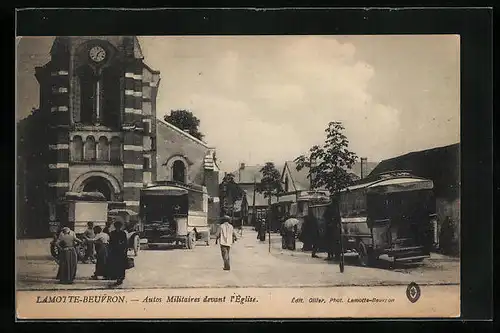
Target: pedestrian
[(117, 258), (101, 241), (261, 235), (68, 259), (226, 237), (89, 246), (290, 227), (106, 229), (315, 237)]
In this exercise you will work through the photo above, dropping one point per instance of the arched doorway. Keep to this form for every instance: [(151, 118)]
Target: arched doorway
[(98, 184)]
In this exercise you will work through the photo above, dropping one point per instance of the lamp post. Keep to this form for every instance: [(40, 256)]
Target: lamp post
[(269, 222)]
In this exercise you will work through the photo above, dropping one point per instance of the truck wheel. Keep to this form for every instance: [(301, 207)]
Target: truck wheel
[(365, 257), (191, 240), (137, 245)]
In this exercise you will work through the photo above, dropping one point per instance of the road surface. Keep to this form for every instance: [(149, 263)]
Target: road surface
[(251, 266)]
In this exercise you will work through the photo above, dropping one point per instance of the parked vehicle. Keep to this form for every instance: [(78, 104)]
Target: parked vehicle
[(393, 215), (75, 210), (132, 226), (174, 213)]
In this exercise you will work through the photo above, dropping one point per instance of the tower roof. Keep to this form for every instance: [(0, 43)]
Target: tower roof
[(60, 43), (64, 43)]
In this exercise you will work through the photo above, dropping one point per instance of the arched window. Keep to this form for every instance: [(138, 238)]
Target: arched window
[(179, 172), (77, 149), (89, 149), (88, 95), (115, 149), (111, 98), (103, 149), (286, 183)]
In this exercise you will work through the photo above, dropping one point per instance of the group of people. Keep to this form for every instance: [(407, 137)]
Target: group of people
[(312, 235), (108, 249)]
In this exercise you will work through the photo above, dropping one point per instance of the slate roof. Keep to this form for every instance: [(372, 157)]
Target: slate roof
[(249, 173), (299, 178), (301, 181), (259, 198), (441, 165)]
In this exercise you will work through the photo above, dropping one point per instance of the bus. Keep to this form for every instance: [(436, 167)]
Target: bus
[(393, 214), (174, 213)]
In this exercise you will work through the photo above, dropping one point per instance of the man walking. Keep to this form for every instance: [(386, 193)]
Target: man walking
[(225, 236)]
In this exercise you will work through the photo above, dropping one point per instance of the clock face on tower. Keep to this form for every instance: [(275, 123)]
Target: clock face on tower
[(97, 54)]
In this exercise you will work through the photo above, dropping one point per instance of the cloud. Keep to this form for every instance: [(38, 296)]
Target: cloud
[(263, 101), (265, 98)]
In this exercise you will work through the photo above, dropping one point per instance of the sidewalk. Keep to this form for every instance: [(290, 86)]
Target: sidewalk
[(31, 249)]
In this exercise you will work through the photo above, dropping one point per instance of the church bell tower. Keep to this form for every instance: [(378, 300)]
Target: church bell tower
[(102, 102)]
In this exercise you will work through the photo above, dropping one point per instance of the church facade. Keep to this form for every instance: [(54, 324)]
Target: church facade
[(100, 96)]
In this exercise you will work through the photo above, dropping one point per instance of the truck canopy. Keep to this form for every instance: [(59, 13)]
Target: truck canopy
[(85, 196)]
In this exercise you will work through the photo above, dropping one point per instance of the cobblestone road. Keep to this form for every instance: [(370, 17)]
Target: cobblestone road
[(252, 266)]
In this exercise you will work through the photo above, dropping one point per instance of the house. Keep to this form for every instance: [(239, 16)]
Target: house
[(248, 177), (295, 181), (442, 166)]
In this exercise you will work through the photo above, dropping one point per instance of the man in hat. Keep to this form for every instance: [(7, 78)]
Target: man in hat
[(226, 237)]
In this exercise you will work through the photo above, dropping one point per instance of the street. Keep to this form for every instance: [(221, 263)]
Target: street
[(251, 266)]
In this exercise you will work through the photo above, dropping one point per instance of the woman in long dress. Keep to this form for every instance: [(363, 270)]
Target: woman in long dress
[(68, 258), (101, 242), (118, 254)]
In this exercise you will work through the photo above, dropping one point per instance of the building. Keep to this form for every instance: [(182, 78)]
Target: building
[(248, 177), (295, 181), (182, 158), (442, 166), (98, 105)]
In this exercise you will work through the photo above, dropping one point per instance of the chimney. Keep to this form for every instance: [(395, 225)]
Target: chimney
[(242, 166), (314, 163), (363, 164)]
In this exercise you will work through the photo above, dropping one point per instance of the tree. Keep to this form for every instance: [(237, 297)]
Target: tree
[(33, 158), (270, 183), (328, 164), (186, 121), (229, 193)]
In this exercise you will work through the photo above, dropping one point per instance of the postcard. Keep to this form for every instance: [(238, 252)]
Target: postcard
[(284, 176)]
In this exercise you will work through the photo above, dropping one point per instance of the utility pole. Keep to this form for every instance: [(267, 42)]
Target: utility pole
[(363, 161), (269, 220), (254, 212)]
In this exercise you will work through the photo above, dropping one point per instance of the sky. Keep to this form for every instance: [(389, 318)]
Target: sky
[(270, 98)]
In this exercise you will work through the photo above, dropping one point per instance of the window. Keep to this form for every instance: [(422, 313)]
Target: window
[(103, 149), (77, 149), (146, 163), (286, 183), (153, 143), (179, 172), (146, 125), (89, 149), (111, 97), (88, 95), (100, 96), (115, 154), (195, 201)]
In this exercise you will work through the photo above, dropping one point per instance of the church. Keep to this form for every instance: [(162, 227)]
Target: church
[(99, 98)]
